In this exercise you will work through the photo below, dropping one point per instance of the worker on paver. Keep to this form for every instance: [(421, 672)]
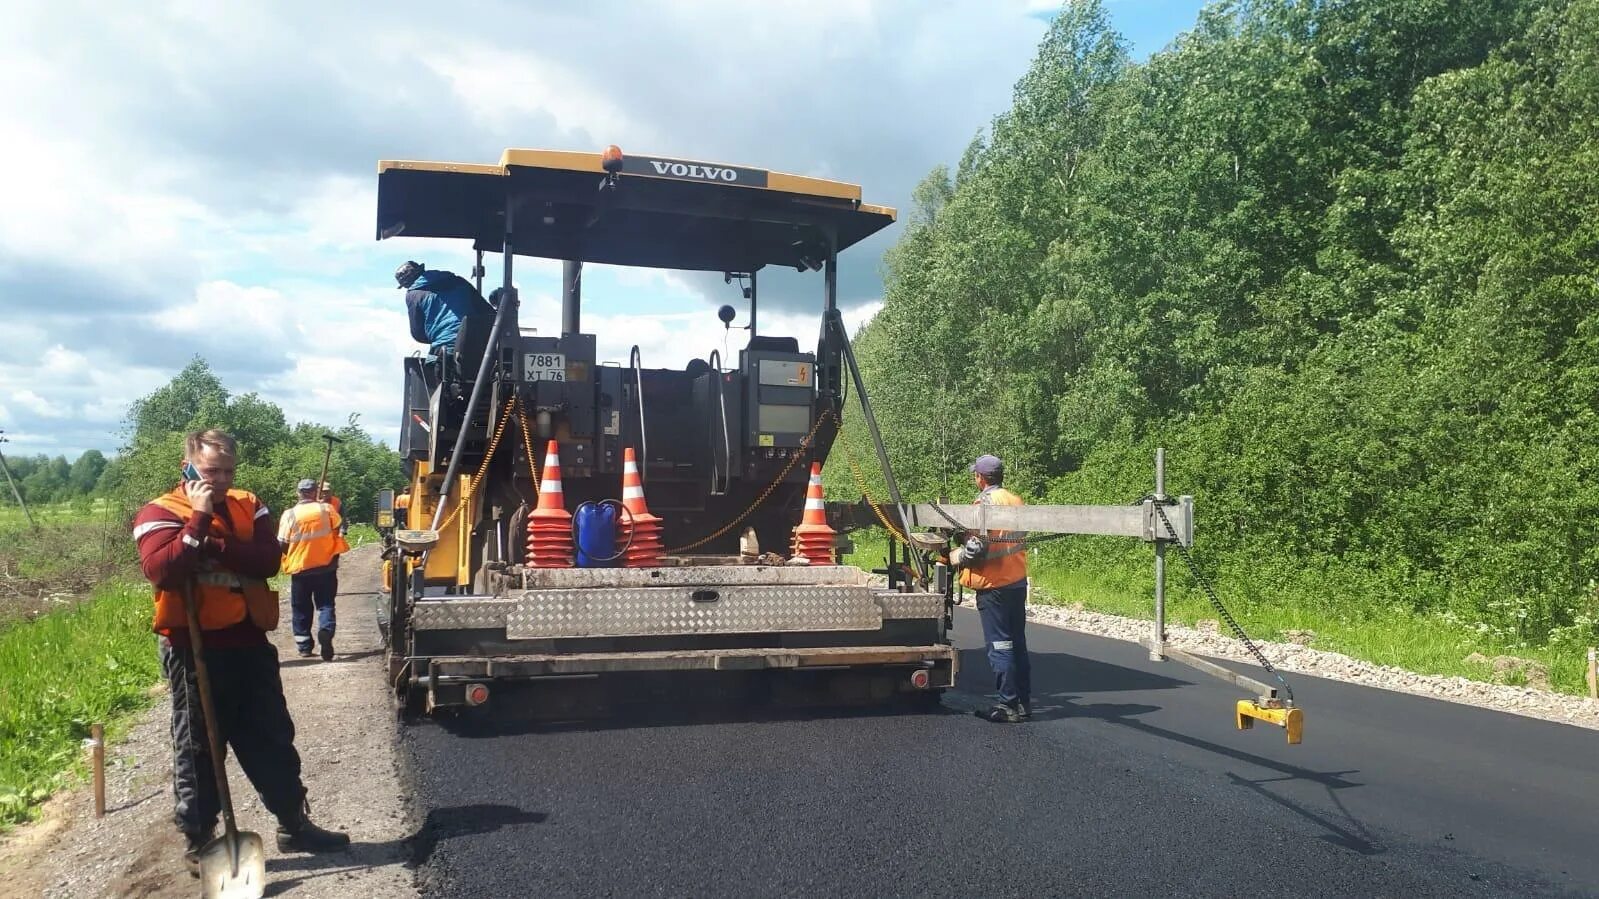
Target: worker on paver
[(436, 302), (311, 542), (995, 566), (205, 536)]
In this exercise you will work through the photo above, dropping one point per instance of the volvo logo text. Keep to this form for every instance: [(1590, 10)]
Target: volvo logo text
[(689, 170)]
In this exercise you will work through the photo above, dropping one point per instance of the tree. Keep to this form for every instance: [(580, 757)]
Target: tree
[(46, 480), (86, 471), (273, 456), (1339, 258), (173, 406)]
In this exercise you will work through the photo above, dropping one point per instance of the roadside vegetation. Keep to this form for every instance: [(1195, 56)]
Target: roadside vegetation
[(75, 641), (1340, 260), (1407, 640)]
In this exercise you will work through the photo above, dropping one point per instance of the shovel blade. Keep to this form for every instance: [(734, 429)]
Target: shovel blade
[(220, 878)]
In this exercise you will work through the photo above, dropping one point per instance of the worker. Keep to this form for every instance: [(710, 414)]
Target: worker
[(332, 499), (995, 567), (309, 536), (436, 302), (207, 537)]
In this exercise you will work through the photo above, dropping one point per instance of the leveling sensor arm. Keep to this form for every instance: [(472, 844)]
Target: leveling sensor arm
[(1158, 519)]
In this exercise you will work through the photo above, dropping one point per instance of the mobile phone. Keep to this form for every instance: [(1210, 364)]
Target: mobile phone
[(190, 473)]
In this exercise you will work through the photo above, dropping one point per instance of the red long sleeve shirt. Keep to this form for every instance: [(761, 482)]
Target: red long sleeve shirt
[(170, 550)]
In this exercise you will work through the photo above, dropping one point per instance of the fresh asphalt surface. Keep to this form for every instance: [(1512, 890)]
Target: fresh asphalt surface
[(1130, 780)]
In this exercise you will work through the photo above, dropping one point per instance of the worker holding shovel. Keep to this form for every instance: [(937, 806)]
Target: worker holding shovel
[(208, 550)]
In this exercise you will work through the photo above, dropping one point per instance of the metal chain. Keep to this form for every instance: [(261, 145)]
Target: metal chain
[(1210, 593), (804, 445), (527, 444), (860, 482)]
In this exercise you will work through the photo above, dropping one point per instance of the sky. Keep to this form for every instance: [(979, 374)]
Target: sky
[(192, 178)]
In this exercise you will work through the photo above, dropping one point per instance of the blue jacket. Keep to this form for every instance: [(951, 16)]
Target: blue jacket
[(437, 301)]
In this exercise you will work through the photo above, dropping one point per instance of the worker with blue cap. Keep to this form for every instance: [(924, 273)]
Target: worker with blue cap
[(995, 566)]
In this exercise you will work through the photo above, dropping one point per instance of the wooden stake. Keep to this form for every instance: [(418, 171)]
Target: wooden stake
[(1593, 672), (97, 740)]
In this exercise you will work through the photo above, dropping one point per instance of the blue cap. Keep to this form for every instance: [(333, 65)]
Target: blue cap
[(988, 466), (306, 484)]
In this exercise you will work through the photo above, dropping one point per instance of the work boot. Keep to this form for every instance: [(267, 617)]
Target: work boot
[(303, 836), (193, 843), (325, 638), (305, 650), (1000, 714)]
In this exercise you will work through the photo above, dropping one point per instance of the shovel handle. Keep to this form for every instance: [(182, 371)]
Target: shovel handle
[(219, 764)]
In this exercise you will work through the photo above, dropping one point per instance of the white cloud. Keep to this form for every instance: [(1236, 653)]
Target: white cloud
[(222, 310), (502, 87), (37, 404), (173, 187), (64, 208)]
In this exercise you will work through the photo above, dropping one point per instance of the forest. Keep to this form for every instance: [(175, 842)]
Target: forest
[(1340, 258), (273, 454)]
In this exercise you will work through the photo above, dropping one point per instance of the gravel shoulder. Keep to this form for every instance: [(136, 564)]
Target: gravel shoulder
[(346, 736), (1293, 657)]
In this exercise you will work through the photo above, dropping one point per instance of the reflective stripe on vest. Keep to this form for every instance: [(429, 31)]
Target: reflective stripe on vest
[(218, 592)]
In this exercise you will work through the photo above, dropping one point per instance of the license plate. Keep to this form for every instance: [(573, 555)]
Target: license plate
[(545, 367)]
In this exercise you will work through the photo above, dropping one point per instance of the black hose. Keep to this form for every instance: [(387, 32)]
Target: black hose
[(636, 361), (727, 438)]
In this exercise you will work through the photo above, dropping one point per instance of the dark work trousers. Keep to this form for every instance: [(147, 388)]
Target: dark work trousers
[(1004, 614), (308, 590), (248, 696)]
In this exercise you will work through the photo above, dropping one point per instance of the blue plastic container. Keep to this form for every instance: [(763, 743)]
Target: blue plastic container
[(595, 528)]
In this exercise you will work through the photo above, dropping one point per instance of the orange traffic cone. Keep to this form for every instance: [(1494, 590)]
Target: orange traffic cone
[(813, 539), (549, 528), (640, 526)]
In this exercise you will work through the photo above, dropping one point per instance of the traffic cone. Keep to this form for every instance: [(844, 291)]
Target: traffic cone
[(813, 539), (549, 528), (644, 529)]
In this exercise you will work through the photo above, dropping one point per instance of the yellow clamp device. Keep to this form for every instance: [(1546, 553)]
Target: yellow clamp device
[(1272, 711)]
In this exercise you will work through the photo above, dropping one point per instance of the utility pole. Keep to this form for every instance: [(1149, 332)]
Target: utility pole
[(13, 482)]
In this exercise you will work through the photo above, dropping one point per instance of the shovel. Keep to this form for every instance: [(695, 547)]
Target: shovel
[(232, 866)]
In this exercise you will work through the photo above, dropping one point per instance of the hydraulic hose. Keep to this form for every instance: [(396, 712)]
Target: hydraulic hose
[(727, 439), (636, 361)]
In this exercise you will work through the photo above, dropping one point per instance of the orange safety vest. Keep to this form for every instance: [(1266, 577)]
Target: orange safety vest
[(1006, 561), (219, 592), (311, 529)]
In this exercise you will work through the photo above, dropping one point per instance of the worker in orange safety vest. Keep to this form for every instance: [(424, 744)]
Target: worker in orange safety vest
[(332, 499), (312, 543), (214, 542), (995, 566)]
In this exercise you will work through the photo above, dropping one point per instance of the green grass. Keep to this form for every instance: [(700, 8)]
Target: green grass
[(361, 535), (91, 663), (57, 513), (59, 562), (1418, 643)]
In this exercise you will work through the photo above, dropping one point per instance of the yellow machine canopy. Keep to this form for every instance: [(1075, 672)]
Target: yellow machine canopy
[(622, 209)]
